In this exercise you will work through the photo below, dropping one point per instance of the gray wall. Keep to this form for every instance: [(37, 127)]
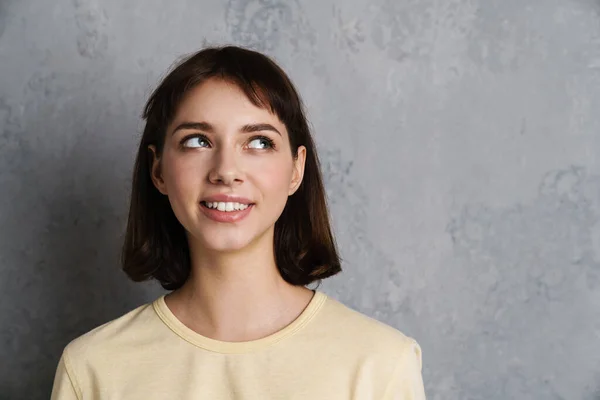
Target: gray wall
[(459, 140)]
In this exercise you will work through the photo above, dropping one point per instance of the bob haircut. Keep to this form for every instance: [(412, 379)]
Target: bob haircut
[(155, 245)]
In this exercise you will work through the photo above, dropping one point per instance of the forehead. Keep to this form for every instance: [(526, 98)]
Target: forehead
[(222, 103)]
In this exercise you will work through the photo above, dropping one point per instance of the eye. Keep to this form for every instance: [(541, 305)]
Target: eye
[(195, 141), (261, 142)]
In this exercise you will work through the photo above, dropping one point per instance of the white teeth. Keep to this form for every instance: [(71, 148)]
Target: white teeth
[(229, 206)]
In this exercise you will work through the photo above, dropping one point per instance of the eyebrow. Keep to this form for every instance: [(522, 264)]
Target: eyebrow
[(259, 127), (206, 127)]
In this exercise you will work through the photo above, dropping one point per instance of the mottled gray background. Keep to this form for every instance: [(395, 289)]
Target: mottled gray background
[(459, 140)]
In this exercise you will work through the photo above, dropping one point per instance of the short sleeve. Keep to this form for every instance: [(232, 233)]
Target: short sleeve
[(64, 387), (407, 380)]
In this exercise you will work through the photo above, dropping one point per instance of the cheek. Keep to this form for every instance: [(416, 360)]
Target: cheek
[(181, 177), (275, 180)]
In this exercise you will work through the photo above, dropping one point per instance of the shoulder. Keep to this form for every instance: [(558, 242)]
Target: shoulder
[(358, 325), (368, 334), (359, 343), (110, 337)]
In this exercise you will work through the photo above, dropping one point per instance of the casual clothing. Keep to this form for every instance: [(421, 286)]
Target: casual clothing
[(329, 352)]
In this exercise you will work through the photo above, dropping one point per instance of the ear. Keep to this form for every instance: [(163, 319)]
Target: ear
[(298, 173), (156, 171)]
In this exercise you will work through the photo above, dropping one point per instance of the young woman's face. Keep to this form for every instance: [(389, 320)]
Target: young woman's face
[(227, 168)]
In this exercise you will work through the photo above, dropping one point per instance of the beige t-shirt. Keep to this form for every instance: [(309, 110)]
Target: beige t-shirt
[(329, 352)]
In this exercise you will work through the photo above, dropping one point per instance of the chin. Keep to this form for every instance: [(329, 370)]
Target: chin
[(224, 243), (222, 238), (225, 246)]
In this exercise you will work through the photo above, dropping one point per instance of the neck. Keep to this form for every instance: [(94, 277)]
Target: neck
[(237, 296)]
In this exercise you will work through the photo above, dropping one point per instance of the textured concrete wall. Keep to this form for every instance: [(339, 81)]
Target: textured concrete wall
[(459, 140)]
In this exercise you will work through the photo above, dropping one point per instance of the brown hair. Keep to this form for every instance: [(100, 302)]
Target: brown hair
[(155, 244)]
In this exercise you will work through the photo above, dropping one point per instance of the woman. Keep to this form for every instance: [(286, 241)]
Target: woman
[(228, 213)]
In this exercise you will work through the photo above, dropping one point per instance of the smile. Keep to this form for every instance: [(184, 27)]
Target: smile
[(228, 212), (225, 206)]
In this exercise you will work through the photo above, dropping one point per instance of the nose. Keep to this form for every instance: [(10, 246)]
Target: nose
[(225, 170)]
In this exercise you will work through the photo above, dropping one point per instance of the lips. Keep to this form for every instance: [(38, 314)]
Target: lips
[(226, 208)]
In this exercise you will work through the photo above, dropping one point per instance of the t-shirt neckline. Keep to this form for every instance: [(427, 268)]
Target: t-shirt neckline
[(219, 346)]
